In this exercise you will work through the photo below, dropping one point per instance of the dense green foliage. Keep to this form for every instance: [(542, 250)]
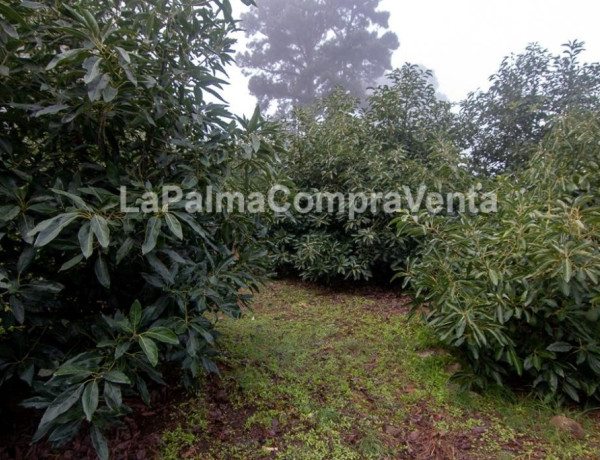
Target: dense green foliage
[(502, 126), (96, 300), (516, 292), (303, 49), (101, 106), (338, 146)]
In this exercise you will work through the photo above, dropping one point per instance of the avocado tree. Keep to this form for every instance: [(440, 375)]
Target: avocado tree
[(102, 105), (339, 146), (515, 293), (502, 127)]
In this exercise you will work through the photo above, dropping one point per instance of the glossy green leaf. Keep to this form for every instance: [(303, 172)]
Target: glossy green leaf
[(8, 29), (99, 442), (149, 348), (113, 396), (560, 347), (124, 249), (93, 67), (99, 226), (64, 56), (118, 377), (59, 406), (18, 309), (25, 259), (162, 334), (89, 399), (86, 240), (71, 263), (152, 233), (135, 313), (102, 272), (77, 200), (51, 110), (174, 225), (97, 86), (49, 229)]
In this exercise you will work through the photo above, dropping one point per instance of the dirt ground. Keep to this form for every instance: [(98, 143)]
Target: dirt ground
[(323, 373)]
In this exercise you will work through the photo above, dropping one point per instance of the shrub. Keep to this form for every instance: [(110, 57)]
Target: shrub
[(95, 301), (516, 293), (337, 146)]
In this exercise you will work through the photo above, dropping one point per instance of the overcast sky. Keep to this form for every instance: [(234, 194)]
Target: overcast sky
[(464, 41)]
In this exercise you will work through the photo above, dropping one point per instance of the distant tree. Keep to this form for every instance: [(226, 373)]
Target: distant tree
[(406, 112), (302, 49), (501, 127)]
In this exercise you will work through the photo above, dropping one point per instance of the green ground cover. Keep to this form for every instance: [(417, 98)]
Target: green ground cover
[(314, 373)]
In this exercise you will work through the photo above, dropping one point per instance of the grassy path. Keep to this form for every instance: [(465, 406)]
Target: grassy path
[(314, 374)]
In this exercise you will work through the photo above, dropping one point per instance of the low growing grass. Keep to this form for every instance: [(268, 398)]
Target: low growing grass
[(313, 374)]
